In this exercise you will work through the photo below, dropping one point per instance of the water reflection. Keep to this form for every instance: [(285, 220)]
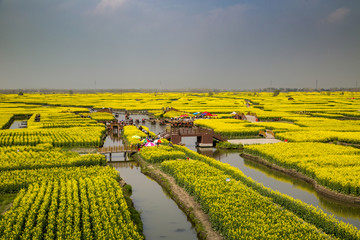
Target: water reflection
[(121, 116), (291, 186), (190, 142), (161, 217), (113, 140), (280, 176), (18, 124), (129, 164)]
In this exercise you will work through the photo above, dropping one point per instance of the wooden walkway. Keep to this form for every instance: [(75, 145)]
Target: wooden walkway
[(118, 149), (253, 141), (251, 118)]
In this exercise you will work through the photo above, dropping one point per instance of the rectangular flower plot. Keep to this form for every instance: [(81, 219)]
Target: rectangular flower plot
[(13, 181), (44, 156), (87, 208), (62, 137), (160, 154), (5, 118)]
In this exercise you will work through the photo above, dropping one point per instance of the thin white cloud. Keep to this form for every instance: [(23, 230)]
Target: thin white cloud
[(108, 5), (338, 15)]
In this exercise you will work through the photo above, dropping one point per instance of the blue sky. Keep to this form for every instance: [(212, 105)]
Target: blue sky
[(225, 44)]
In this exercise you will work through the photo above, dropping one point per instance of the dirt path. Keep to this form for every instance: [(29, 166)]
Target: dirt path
[(254, 141), (186, 202), (250, 118)]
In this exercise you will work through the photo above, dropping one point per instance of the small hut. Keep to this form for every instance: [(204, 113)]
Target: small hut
[(240, 116)]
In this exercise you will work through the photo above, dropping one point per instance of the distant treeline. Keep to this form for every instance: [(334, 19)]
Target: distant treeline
[(197, 90)]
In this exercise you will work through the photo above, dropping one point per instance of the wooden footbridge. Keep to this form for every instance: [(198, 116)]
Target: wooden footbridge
[(127, 150), (204, 136)]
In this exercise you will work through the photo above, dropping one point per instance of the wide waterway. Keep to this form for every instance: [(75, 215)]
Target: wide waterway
[(275, 180)]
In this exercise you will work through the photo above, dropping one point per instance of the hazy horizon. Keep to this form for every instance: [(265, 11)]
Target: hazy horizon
[(154, 44)]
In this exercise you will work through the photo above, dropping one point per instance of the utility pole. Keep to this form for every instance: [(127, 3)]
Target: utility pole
[(316, 85)]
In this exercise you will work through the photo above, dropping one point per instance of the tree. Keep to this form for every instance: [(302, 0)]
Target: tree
[(21, 94), (276, 92)]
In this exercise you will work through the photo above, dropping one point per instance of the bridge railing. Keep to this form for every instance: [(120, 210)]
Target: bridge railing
[(189, 131), (113, 149), (270, 132)]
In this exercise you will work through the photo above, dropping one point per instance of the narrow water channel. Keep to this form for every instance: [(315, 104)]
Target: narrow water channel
[(161, 217)]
